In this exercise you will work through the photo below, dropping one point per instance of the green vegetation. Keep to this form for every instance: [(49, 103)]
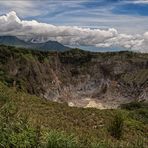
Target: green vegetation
[(14, 131), (28, 121), (60, 140), (138, 110), (116, 127), (132, 105)]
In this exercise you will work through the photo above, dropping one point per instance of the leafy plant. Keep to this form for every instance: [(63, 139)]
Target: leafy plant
[(60, 140), (14, 132)]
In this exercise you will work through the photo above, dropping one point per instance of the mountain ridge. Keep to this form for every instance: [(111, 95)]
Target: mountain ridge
[(46, 46)]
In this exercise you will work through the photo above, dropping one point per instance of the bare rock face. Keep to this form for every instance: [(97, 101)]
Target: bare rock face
[(83, 79)]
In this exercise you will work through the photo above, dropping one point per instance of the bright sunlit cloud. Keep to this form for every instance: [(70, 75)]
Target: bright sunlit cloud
[(11, 24), (97, 23)]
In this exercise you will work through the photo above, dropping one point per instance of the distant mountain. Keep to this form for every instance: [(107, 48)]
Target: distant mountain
[(47, 46)]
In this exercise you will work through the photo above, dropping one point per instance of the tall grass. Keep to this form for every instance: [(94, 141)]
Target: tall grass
[(60, 140), (116, 126)]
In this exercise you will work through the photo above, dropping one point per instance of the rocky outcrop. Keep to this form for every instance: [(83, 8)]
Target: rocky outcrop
[(85, 79)]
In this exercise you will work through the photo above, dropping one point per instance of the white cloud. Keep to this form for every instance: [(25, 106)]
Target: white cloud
[(69, 12), (29, 8), (125, 41), (141, 2), (23, 8), (10, 24)]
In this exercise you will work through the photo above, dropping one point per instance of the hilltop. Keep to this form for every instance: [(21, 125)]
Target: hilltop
[(46, 46)]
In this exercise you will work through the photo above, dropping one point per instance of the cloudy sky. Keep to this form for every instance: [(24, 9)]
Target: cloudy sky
[(96, 24)]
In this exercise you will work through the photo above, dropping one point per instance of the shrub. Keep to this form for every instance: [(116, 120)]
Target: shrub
[(132, 105), (15, 132), (60, 140), (116, 126)]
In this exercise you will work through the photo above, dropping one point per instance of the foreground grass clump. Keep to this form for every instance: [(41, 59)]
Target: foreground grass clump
[(28, 121), (59, 140), (116, 127), (15, 132)]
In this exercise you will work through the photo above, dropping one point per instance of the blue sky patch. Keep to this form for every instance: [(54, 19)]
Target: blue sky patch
[(132, 9), (119, 14)]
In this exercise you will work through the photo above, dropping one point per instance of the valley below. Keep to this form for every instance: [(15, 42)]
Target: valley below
[(76, 77), (73, 99)]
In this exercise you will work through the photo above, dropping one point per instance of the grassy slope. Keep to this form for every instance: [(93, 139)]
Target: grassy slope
[(88, 125)]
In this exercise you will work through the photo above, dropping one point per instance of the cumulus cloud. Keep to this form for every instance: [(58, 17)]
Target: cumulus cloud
[(11, 24)]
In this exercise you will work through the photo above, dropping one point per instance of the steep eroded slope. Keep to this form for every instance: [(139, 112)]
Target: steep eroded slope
[(83, 79)]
